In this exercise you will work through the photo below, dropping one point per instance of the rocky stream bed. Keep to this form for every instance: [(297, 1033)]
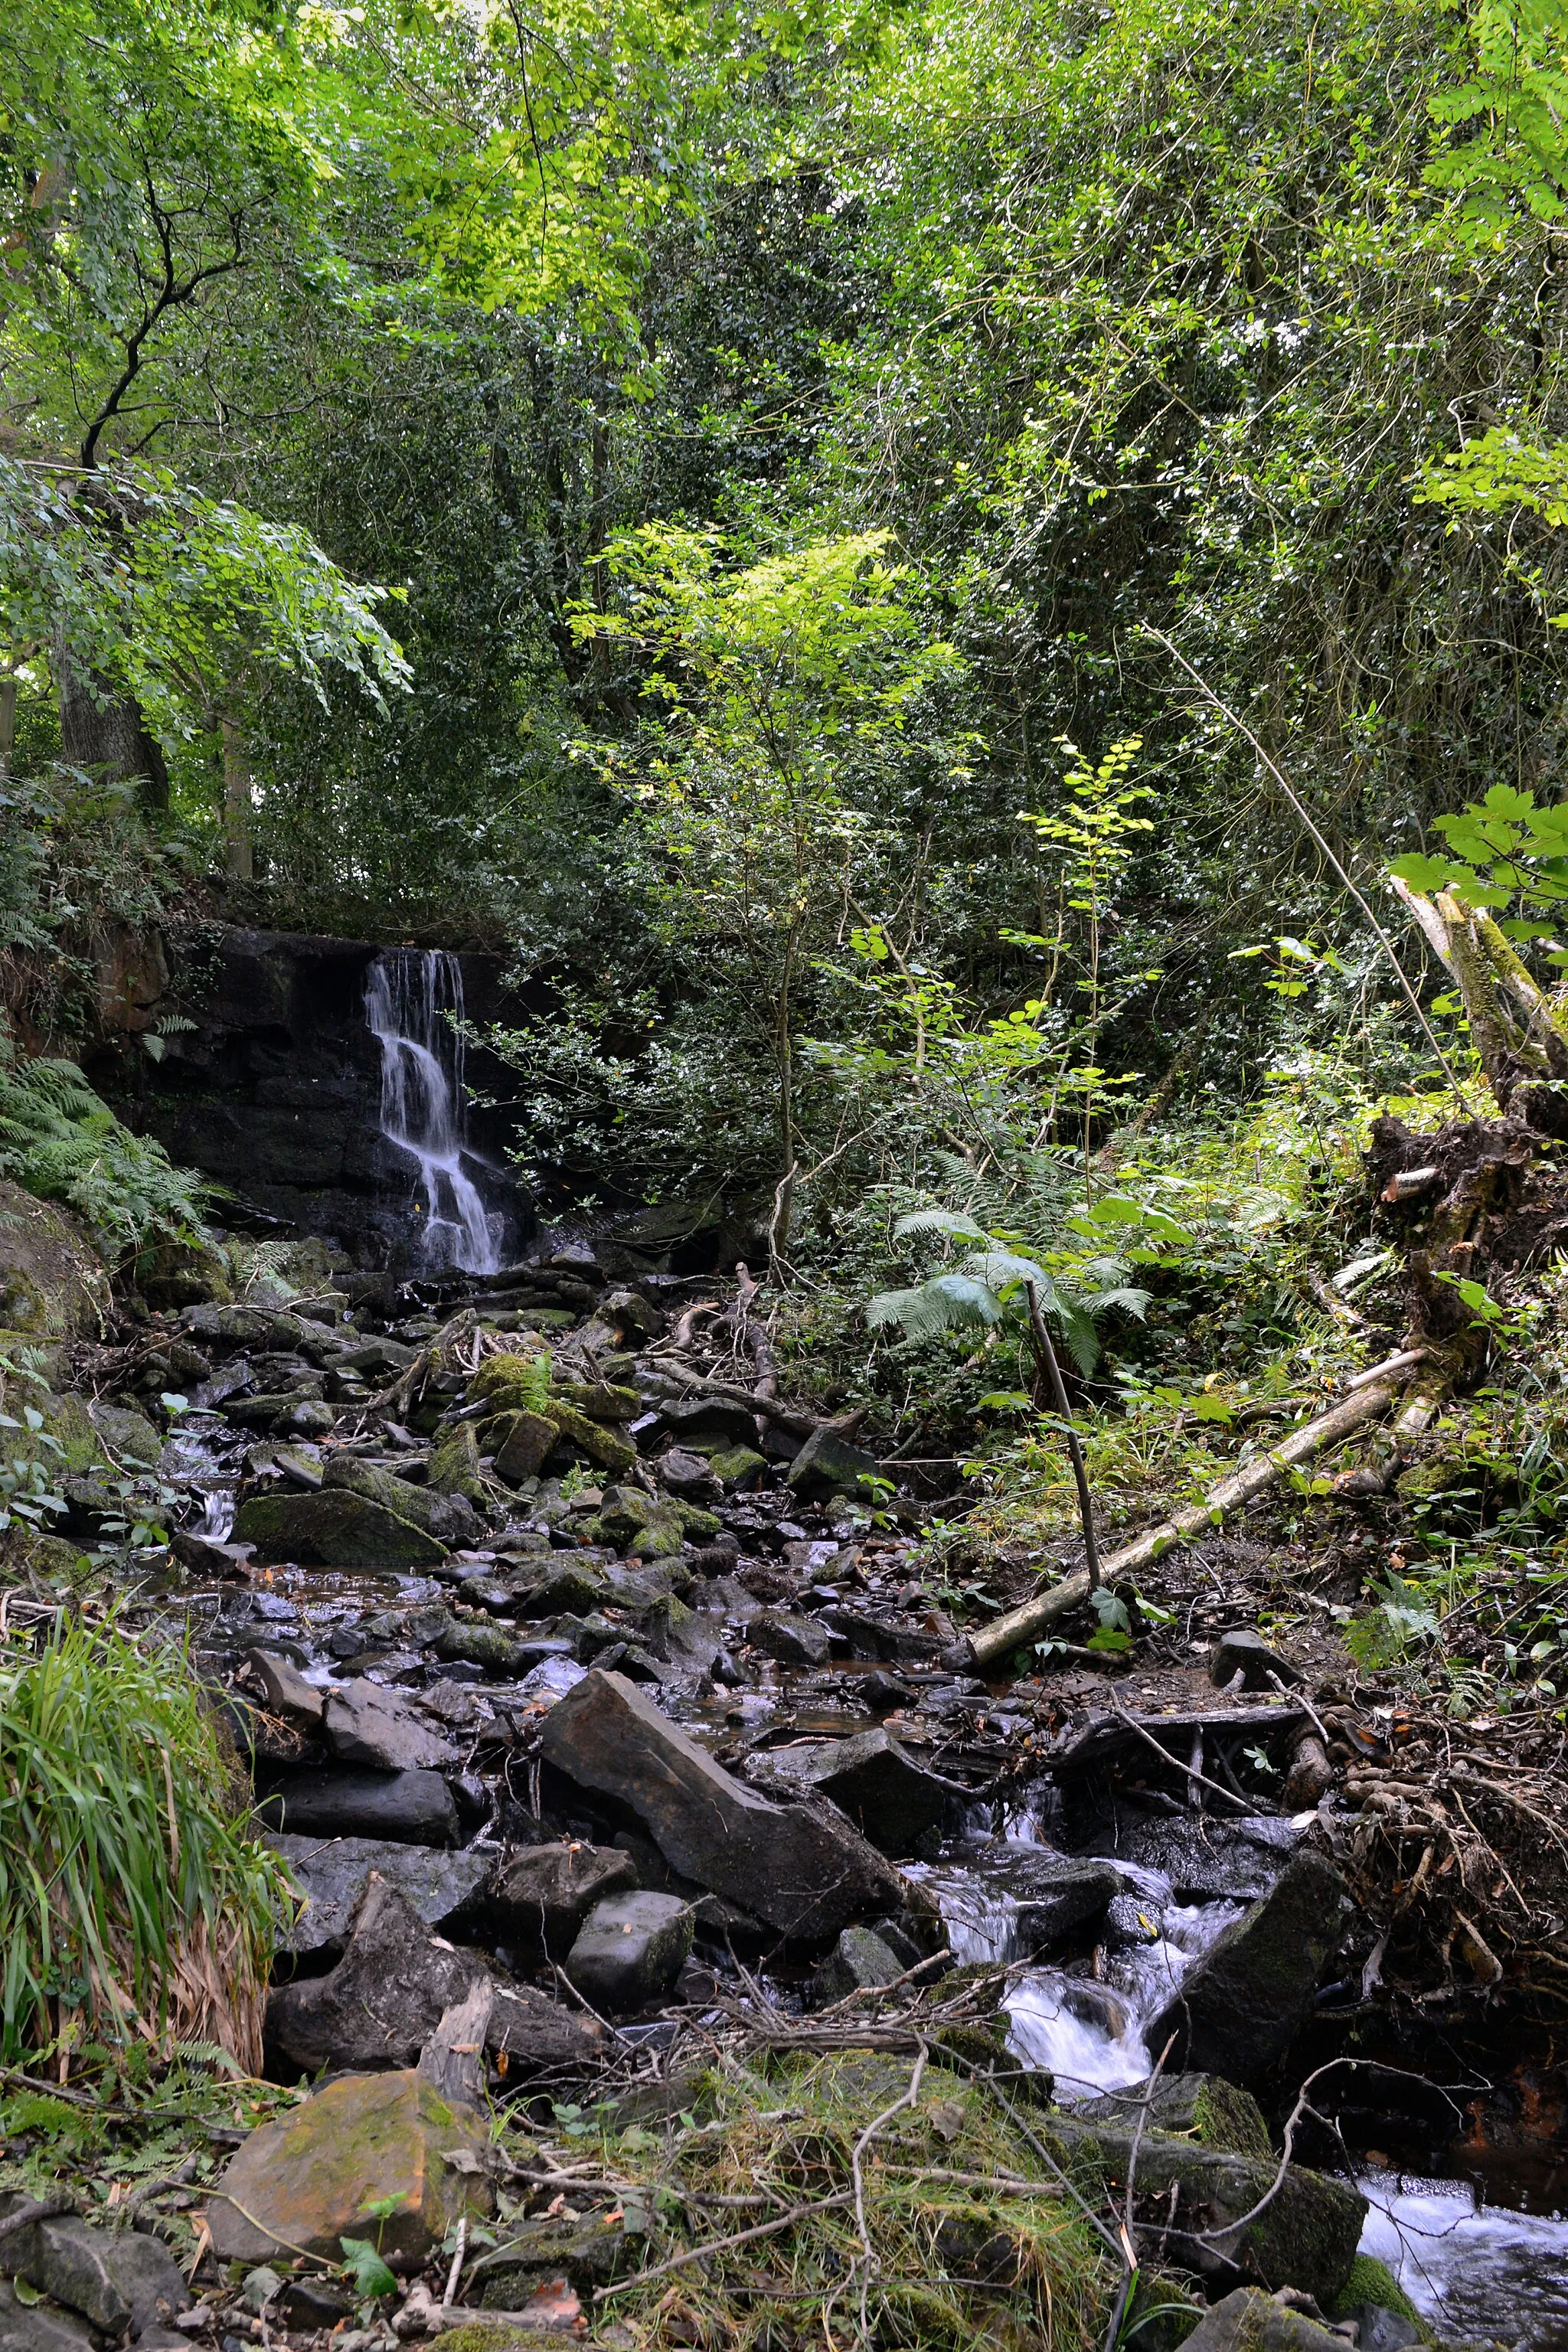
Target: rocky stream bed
[(637, 1791)]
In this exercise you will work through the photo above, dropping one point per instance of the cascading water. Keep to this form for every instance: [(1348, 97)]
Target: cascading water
[(410, 1000)]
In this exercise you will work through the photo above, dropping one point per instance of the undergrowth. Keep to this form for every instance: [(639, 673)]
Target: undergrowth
[(133, 1903), (60, 1142)]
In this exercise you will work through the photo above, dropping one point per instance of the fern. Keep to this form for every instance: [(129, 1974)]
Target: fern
[(994, 1280), (61, 1142)]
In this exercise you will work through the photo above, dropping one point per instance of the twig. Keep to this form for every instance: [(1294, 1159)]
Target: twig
[(1176, 1765), (869, 2259), (1045, 1356), (721, 2245), (26, 2214)]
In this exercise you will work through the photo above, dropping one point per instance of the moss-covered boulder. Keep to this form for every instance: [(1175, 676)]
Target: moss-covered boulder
[(455, 1465), (127, 1437), (53, 1286), (366, 2157), (450, 1519), (520, 1442), (600, 1400), (334, 1529), (475, 1642), (1203, 2108), (1372, 2286), (637, 1524), (735, 1466), (604, 1446)]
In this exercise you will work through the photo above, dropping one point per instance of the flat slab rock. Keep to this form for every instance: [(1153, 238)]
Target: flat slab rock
[(332, 1874), (408, 1807), (803, 1869), (25, 2328), (366, 2157), (891, 1797), (367, 1724), (334, 1528)]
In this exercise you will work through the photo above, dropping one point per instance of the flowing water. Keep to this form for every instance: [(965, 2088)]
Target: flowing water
[(412, 997), (1471, 2269)]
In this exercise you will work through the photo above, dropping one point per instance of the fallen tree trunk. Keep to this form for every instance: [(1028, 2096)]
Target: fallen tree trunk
[(1023, 1626)]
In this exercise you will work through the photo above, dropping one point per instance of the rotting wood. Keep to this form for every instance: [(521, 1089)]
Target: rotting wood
[(1023, 1626)]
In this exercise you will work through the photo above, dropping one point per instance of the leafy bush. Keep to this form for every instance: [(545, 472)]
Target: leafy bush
[(130, 1895), (59, 1141)]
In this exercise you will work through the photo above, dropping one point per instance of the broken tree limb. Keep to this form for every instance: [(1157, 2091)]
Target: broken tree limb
[(798, 1425), (1021, 1626)]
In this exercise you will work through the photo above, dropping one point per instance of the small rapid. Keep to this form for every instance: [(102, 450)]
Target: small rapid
[(414, 1005)]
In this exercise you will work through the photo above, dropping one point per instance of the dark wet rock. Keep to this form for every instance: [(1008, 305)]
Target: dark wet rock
[(684, 1473), (569, 1587), (383, 1999), (1250, 2321), (528, 2029), (792, 1641), (117, 2280), (333, 1872), (1246, 1653), (408, 1807), (1240, 2006), (36, 2329), (1306, 2235), (284, 1693), (1208, 1861), (891, 1797), (544, 1894), (333, 1529), (802, 1868), (450, 1519), (706, 1424), (829, 1465), (586, 2250), (367, 1724), (362, 2159), (382, 1358), (479, 1644), (630, 1949), (861, 1959), (300, 1464)]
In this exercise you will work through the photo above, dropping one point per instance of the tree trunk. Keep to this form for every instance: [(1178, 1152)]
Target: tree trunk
[(8, 723), (236, 802), (103, 732), (1519, 1032)]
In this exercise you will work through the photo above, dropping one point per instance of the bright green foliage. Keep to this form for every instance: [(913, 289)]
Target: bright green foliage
[(1504, 851), (128, 1886), (994, 1279), (1514, 105), (59, 1141)]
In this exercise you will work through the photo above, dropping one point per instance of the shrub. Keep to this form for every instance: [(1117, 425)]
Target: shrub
[(59, 1141)]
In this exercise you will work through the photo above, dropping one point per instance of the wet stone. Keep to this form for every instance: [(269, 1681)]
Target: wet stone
[(383, 1999), (891, 1797), (792, 1641), (543, 1895), (365, 1724), (117, 2280), (1240, 2006), (333, 1872), (408, 1807), (630, 1949)]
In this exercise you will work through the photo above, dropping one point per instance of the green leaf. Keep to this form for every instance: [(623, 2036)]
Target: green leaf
[(364, 2266)]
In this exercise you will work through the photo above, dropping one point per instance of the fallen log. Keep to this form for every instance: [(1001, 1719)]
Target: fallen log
[(1023, 1626)]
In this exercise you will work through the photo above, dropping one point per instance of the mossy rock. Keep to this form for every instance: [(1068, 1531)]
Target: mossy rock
[(128, 1438), (1372, 2282), (600, 1400), (334, 1528), (605, 1447), (696, 1525), (53, 1286), (737, 1466), (438, 1514), (184, 1274), (455, 1465), (1203, 2108), (28, 1552)]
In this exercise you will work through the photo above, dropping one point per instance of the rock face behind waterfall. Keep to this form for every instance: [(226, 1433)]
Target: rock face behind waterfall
[(276, 1092)]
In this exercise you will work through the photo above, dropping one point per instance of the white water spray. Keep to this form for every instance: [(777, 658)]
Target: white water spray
[(409, 997)]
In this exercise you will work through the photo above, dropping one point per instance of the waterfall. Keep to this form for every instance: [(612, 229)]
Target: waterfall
[(408, 995)]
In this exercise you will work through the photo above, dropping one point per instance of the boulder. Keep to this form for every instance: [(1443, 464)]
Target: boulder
[(365, 1723), (630, 1949), (792, 1641), (1249, 2321), (409, 1807), (1242, 2005), (1305, 2236), (1207, 1859), (53, 1286), (331, 1874), (709, 1424), (543, 1895), (1203, 2108), (117, 2279), (528, 2028), (334, 1529), (128, 1437), (449, 1517), (520, 1441), (364, 2158), (684, 1473), (737, 1466), (829, 1465), (566, 1590), (801, 1868), (383, 1999), (890, 1799), (475, 1642)]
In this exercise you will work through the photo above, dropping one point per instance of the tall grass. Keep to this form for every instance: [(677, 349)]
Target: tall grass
[(132, 1900)]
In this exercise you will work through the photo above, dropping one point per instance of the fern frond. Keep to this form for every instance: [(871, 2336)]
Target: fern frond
[(946, 1300), (948, 1221)]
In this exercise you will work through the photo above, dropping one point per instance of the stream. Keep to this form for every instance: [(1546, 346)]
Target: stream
[(1472, 2268)]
